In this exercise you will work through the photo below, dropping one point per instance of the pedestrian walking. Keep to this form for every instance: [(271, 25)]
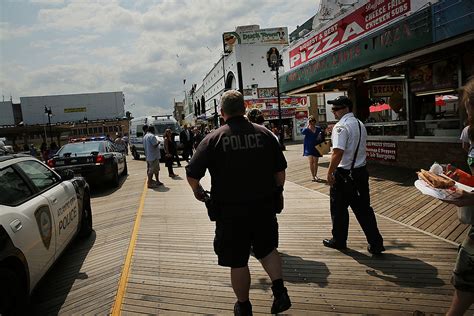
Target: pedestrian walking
[(174, 148), (170, 148), (186, 138), (313, 135), (153, 155), (463, 273), (246, 195), (349, 179), (197, 136), (256, 116)]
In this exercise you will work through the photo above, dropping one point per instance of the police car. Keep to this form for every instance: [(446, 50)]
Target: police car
[(94, 158), (40, 214)]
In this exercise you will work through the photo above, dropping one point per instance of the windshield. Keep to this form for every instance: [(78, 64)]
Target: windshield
[(161, 128), (81, 148)]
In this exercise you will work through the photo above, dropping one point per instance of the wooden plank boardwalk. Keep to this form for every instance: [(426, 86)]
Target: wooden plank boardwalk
[(392, 195), (174, 269)]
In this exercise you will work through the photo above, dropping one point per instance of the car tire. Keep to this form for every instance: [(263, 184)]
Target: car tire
[(115, 176), (125, 169), (86, 222), (13, 296)]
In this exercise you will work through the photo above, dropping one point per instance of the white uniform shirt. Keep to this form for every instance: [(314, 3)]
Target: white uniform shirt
[(345, 136), (152, 151)]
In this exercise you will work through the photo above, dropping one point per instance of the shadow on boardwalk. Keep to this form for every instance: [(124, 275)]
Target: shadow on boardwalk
[(402, 271)]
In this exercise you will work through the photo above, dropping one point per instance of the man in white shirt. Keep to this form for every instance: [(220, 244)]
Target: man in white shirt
[(349, 179), (153, 155)]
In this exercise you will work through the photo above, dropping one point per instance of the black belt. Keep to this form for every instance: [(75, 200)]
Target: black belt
[(347, 171)]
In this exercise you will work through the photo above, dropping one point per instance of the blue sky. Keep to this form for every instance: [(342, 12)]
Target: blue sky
[(144, 48)]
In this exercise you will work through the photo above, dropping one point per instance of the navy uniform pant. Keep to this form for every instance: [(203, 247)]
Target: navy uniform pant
[(354, 192)]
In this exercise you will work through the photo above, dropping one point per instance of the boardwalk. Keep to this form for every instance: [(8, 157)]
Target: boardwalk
[(173, 268)]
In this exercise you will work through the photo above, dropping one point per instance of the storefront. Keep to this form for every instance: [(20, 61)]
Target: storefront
[(294, 114), (404, 81)]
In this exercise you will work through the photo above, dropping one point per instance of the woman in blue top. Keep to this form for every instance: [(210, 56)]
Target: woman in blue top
[(313, 135)]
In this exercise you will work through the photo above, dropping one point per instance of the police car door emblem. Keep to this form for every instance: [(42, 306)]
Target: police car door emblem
[(45, 227)]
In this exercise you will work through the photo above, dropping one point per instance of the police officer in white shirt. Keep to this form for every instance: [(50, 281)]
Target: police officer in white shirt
[(349, 179)]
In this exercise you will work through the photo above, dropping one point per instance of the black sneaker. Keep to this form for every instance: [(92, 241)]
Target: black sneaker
[(281, 302), (375, 250), (245, 310), (331, 243)]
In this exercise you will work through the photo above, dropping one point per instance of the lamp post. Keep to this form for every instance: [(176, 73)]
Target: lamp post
[(86, 122), (49, 113), (275, 62)]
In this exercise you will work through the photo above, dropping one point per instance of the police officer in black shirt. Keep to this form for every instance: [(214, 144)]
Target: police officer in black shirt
[(247, 169)]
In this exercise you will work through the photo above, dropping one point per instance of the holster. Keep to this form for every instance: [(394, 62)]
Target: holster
[(212, 208)]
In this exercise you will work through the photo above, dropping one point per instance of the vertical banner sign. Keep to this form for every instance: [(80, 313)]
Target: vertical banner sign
[(378, 150), (368, 17)]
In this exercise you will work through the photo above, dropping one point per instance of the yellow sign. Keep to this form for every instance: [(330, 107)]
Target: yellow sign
[(73, 110)]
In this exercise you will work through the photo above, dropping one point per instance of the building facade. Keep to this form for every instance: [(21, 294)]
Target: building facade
[(58, 118), (402, 63), (244, 66)]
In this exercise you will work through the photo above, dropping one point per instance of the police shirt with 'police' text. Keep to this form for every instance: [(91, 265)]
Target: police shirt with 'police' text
[(242, 158), (345, 136)]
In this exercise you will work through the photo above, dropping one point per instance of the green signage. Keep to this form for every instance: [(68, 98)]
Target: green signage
[(411, 33)]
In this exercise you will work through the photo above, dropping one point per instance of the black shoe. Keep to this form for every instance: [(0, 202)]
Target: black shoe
[(331, 243), (281, 302), (240, 310), (375, 250)]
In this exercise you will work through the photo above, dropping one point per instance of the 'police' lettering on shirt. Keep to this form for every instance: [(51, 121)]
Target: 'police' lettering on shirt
[(242, 142)]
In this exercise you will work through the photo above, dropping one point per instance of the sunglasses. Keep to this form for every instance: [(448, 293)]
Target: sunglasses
[(334, 110)]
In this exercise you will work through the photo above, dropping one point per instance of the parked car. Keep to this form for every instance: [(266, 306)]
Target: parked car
[(40, 214), (96, 159)]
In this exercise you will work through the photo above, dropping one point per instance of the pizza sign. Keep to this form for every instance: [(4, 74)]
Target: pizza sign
[(368, 17)]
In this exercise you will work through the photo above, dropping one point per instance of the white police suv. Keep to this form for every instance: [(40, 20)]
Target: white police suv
[(40, 214)]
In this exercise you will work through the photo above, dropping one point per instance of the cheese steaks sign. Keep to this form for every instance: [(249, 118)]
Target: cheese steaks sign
[(368, 17), (379, 150)]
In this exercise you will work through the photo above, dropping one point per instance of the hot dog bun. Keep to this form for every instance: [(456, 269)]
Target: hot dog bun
[(434, 180)]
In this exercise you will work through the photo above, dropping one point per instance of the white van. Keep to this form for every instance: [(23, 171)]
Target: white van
[(160, 123)]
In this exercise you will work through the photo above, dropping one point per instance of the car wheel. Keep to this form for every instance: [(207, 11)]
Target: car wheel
[(125, 169), (13, 296), (86, 222), (115, 176)]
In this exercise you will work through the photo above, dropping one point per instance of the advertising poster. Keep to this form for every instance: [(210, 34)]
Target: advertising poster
[(380, 150)]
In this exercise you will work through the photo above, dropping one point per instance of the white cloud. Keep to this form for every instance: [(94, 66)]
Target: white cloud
[(143, 47), (47, 2)]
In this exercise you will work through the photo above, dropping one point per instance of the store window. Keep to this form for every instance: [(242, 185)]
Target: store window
[(436, 102), (437, 115), (387, 109)]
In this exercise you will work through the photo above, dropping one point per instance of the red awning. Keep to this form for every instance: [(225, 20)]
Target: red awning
[(379, 107), (441, 100)]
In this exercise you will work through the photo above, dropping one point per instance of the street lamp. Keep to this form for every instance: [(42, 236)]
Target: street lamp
[(275, 62), (49, 113), (86, 122)]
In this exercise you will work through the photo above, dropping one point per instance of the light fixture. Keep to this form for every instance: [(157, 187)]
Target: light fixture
[(386, 77), (419, 94)]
